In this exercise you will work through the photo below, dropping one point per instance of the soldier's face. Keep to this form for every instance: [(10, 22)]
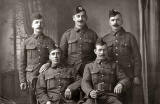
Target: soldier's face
[(80, 19), (38, 25), (55, 56), (116, 22), (101, 51)]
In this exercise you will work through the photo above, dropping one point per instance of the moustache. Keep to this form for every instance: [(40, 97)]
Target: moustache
[(80, 21), (39, 27), (115, 25), (102, 55)]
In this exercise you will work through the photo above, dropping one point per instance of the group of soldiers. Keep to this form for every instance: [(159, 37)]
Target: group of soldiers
[(85, 69)]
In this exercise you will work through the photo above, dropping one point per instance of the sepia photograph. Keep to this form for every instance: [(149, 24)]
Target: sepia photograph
[(79, 51)]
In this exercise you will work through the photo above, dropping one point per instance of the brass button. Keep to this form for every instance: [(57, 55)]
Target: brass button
[(129, 65)]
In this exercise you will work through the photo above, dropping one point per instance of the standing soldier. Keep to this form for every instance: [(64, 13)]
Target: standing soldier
[(78, 43), (34, 53), (123, 48), (52, 83), (102, 80)]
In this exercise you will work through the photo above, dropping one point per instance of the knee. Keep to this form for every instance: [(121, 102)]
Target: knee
[(114, 100)]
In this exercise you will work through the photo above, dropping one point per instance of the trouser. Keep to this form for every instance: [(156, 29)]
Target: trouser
[(80, 69), (32, 91), (64, 102), (106, 100)]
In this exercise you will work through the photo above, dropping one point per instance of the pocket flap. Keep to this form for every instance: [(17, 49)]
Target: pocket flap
[(31, 46), (72, 41), (87, 40), (50, 73)]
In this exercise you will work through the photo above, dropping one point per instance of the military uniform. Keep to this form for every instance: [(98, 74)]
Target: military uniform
[(123, 49), (34, 53), (52, 84), (78, 47), (103, 76)]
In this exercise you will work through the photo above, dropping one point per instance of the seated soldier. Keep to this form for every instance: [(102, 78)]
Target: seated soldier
[(52, 84), (103, 81)]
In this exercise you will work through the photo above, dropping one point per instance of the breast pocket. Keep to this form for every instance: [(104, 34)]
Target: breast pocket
[(31, 50), (72, 45), (51, 81), (125, 48)]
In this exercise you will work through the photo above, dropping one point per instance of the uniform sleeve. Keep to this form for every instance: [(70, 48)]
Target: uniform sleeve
[(122, 78), (41, 89), (86, 84), (137, 57), (77, 81), (23, 63), (64, 45)]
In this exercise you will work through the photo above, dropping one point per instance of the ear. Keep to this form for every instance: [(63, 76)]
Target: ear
[(95, 51), (49, 57), (73, 17)]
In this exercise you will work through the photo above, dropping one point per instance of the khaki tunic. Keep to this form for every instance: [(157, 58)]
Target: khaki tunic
[(52, 84), (103, 76), (123, 49), (34, 53), (78, 49)]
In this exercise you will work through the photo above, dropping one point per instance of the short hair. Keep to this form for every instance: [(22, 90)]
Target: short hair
[(100, 42), (113, 13), (55, 48)]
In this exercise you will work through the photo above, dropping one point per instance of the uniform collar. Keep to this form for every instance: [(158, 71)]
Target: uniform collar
[(120, 32), (56, 66), (98, 61), (82, 30), (38, 36)]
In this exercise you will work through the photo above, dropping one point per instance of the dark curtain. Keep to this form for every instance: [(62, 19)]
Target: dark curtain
[(149, 30)]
